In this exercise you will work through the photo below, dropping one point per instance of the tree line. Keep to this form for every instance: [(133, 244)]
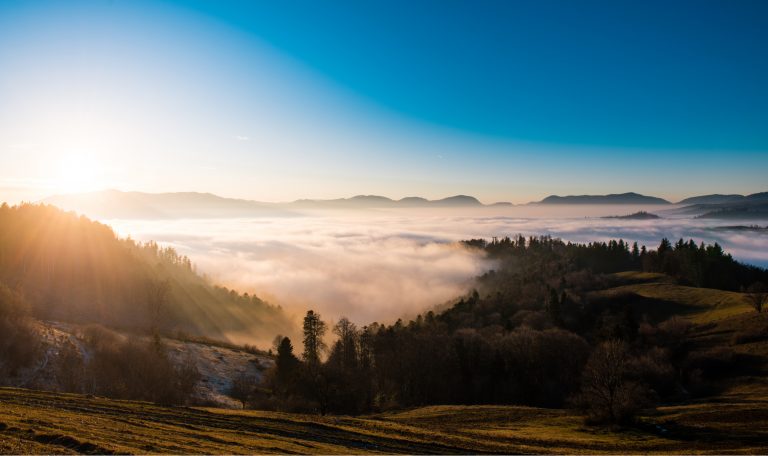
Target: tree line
[(530, 334)]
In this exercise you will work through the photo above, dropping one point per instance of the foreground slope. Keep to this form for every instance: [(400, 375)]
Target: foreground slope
[(43, 423)]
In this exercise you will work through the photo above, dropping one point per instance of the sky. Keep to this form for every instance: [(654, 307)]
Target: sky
[(274, 101)]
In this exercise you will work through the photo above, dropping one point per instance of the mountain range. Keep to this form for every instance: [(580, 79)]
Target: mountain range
[(754, 206), (117, 204), (374, 201)]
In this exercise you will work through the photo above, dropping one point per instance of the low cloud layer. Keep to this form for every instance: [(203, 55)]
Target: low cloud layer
[(384, 265)]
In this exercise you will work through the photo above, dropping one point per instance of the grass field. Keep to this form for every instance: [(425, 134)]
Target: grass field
[(43, 422), (700, 305)]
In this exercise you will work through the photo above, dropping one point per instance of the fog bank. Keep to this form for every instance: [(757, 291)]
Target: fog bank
[(381, 265)]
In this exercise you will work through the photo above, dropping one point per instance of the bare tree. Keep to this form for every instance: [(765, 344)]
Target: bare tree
[(757, 296), (242, 388), (348, 342), (606, 392)]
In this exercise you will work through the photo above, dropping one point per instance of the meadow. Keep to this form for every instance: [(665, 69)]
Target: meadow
[(34, 422)]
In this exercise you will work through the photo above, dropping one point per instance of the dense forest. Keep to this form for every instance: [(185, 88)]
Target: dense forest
[(531, 334), (69, 268)]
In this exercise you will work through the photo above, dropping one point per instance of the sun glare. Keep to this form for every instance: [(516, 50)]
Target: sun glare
[(77, 174)]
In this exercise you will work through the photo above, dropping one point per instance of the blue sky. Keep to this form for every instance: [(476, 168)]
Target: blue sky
[(280, 100)]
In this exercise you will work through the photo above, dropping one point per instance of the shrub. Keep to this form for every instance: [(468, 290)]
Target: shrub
[(141, 370)]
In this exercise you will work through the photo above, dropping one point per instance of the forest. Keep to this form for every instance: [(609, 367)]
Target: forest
[(531, 333), (71, 268), (536, 330)]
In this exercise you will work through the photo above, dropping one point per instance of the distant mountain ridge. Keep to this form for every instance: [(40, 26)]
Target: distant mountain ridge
[(108, 204), (617, 198), (373, 201), (753, 206), (116, 204), (712, 199)]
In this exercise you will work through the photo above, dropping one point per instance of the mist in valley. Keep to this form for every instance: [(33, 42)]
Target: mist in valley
[(383, 264)]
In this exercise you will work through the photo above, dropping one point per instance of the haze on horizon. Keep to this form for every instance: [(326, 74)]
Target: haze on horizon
[(504, 101)]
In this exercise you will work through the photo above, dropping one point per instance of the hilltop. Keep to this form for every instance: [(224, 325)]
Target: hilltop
[(622, 198)]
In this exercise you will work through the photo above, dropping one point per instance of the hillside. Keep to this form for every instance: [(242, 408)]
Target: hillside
[(71, 269), (693, 370), (34, 422), (757, 210), (753, 206), (663, 300), (622, 198)]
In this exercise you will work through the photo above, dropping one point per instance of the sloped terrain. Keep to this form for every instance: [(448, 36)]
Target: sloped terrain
[(217, 363), (43, 423)]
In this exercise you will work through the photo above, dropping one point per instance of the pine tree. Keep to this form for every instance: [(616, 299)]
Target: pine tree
[(314, 330)]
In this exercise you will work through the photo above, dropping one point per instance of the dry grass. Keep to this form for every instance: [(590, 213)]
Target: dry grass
[(42, 422), (700, 305)]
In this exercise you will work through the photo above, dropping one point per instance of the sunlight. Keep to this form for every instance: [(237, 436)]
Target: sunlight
[(75, 174)]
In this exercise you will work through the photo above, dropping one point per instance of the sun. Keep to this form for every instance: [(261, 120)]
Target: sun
[(77, 174)]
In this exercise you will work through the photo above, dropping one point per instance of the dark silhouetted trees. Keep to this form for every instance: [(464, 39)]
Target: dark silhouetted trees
[(242, 388), (314, 329), (757, 296), (607, 391), (20, 344), (533, 332)]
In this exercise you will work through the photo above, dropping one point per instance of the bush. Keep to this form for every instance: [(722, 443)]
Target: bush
[(69, 368), (141, 370)]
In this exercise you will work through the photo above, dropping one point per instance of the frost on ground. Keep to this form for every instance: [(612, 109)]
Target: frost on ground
[(217, 365)]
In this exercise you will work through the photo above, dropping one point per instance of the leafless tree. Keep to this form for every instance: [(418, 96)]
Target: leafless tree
[(242, 388), (607, 393), (757, 296)]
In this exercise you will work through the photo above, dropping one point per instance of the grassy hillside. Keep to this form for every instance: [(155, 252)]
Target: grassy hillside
[(38, 422), (665, 299)]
